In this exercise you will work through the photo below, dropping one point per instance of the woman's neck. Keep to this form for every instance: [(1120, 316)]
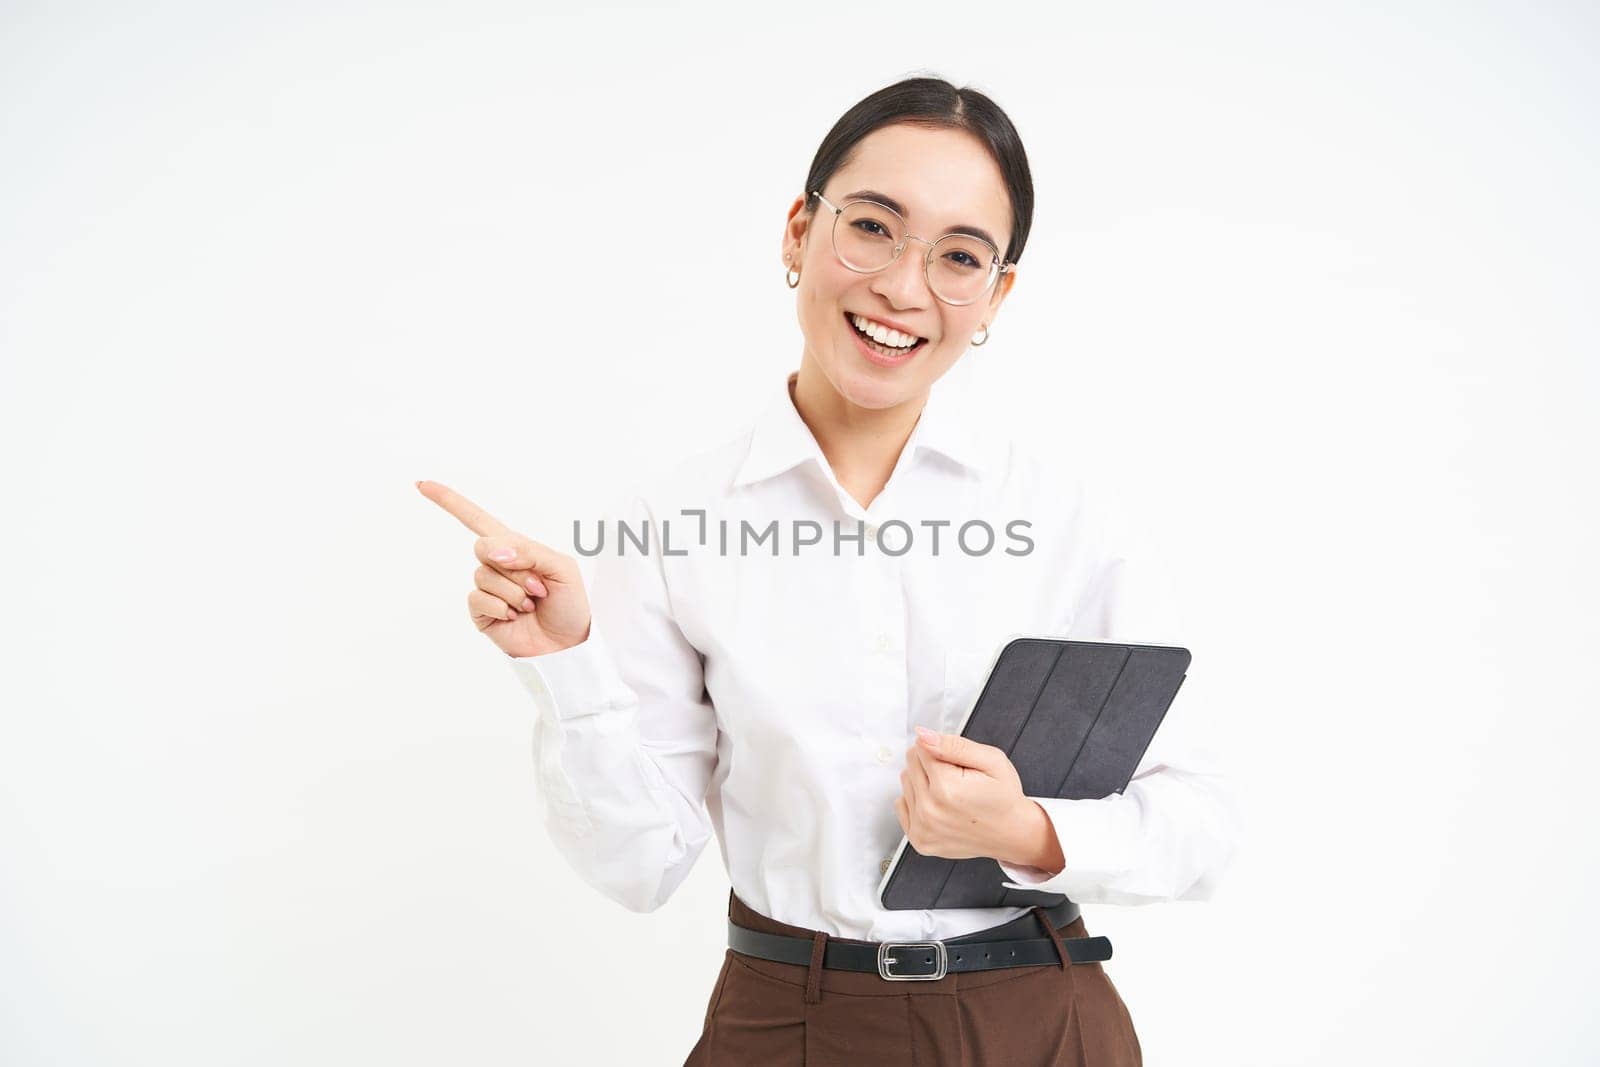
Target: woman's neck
[(860, 444)]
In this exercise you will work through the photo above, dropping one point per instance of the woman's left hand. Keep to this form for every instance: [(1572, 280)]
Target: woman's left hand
[(960, 798)]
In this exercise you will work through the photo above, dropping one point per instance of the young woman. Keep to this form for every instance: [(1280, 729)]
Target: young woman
[(787, 631)]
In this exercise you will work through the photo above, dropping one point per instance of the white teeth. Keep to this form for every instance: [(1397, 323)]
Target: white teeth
[(882, 334)]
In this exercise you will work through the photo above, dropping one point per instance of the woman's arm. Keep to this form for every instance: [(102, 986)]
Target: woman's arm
[(625, 742), (1173, 831), (1041, 846)]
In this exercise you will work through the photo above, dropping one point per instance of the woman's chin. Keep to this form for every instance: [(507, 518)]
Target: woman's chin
[(866, 385)]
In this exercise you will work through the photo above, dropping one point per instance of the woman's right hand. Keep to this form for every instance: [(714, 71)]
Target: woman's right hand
[(529, 603)]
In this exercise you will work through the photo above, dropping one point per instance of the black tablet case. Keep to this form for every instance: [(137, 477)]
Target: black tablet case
[(1075, 717)]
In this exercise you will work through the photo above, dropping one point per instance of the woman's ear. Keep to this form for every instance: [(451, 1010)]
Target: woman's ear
[(1002, 289), (794, 234)]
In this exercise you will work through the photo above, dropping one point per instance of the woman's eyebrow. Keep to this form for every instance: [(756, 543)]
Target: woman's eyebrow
[(894, 205)]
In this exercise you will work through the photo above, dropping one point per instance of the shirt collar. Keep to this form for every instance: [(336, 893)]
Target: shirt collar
[(781, 440)]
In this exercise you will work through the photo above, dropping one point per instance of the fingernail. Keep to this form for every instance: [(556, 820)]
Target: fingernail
[(534, 585), (527, 605), (505, 555), (927, 737)]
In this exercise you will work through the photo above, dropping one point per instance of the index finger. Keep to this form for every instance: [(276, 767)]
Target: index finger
[(918, 763), (471, 515)]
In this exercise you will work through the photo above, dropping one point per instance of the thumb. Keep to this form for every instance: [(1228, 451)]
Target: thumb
[(514, 552), (953, 748)]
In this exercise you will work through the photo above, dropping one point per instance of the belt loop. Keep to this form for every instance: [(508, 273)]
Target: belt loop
[(1055, 938), (819, 942)]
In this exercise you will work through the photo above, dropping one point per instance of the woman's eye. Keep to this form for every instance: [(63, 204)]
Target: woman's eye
[(962, 259), (875, 231)]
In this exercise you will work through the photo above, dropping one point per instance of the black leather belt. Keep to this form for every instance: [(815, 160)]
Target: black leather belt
[(1006, 945)]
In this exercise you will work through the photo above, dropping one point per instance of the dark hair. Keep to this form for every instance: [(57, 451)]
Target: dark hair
[(935, 104)]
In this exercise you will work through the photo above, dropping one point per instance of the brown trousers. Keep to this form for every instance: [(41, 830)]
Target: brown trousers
[(791, 1015)]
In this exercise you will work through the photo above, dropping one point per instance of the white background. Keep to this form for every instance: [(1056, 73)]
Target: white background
[(1317, 286)]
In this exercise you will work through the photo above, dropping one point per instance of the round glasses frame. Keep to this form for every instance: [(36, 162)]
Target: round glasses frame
[(996, 266)]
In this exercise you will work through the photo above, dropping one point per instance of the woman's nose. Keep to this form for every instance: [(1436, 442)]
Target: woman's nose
[(905, 278)]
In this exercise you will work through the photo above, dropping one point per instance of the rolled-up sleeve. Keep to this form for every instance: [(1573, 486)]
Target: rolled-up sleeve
[(625, 736), (1173, 831)]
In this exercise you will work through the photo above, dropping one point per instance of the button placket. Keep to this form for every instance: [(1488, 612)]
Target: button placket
[(882, 635)]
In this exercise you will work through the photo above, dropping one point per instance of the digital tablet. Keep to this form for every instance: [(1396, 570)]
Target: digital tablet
[(1075, 718)]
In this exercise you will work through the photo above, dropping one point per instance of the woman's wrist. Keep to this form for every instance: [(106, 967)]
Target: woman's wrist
[(1036, 841)]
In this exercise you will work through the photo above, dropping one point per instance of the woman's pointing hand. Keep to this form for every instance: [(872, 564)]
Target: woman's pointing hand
[(526, 597)]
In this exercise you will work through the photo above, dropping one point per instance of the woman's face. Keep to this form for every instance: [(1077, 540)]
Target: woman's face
[(943, 179)]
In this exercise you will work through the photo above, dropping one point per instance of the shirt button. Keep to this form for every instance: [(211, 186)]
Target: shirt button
[(882, 642), (883, 865), (872, 531), (885, 754)]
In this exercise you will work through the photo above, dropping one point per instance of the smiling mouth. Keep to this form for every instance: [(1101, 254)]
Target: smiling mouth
[(886, 351)]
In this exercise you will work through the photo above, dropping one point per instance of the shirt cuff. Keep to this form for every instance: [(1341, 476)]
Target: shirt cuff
[(576, 681), (1095, 838)]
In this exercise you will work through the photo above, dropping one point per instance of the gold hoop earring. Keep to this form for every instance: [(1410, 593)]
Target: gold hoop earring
[(976, 342), (790, 271)]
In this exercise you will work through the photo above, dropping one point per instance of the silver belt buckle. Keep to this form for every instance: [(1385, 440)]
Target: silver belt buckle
[(884, 960)]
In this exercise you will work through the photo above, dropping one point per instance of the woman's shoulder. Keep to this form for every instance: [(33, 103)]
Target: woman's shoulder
[(1025, 456), (1029, 465), (700, 478), (1063, 486)]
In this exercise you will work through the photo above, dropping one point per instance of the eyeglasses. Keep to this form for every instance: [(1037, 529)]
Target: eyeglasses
[(867, 237)]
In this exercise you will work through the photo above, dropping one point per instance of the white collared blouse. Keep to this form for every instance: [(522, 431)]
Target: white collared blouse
[(758, 674)]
